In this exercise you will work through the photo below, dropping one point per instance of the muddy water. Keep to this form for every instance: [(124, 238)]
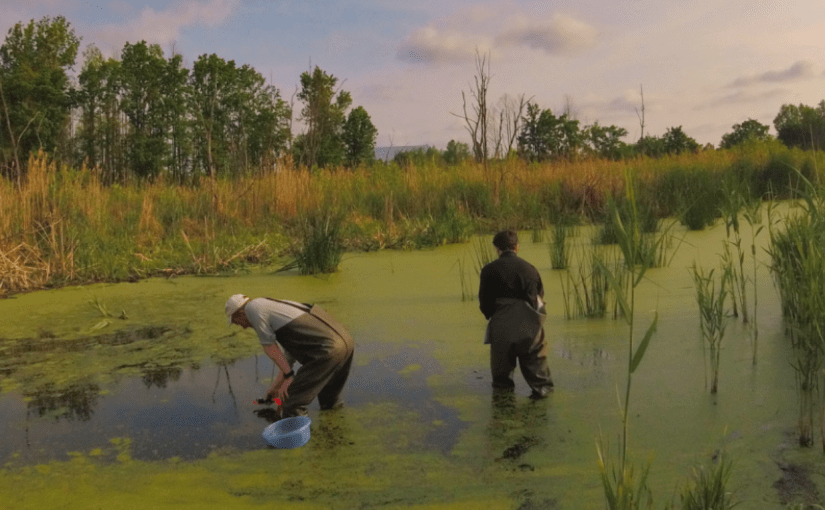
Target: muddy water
[(155, 409)]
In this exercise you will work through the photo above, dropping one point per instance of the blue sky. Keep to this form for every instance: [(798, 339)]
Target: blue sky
[(703, 64)]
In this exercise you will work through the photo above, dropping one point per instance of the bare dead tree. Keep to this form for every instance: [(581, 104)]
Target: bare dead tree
[(513, 112), (476, 123), (642, 114)]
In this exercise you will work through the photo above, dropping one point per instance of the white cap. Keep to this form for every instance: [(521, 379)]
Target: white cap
[(233, 304)]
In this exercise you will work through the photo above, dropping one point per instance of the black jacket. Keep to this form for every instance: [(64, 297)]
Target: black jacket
[(509, 276)]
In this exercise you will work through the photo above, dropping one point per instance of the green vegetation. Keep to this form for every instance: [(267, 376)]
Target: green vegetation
[(712, 316), (708, 488), (798, 264), (622, 489)]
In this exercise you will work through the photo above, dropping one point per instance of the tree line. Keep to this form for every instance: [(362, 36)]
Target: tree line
[(145, 114)]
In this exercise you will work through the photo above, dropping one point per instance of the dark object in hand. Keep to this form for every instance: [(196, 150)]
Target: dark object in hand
[(269, 414), (266, 401)]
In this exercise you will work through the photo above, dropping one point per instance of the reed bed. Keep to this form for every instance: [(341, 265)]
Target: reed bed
[(63, 226)]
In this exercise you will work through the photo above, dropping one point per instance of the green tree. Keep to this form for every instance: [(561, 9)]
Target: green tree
[(143, 70), (102, 125), (34, 87), (456, 152), (176, 93), (605, 141), (651, 146), (545, 136), (359, 137), (749, 130), (801, 126), (675, 141), (211, 86), (323, 114)]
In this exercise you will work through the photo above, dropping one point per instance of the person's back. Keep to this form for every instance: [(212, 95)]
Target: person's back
[(509, 276), (509, 296)]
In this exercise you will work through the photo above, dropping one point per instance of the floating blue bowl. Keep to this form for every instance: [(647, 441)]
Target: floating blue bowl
[(288, 432)]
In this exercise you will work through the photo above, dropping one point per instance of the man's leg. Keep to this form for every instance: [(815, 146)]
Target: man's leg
[(311, 379), (330, 395), (532, 357), (502, 364)]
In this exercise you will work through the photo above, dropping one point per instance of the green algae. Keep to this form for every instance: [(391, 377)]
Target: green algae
[(406, 314)]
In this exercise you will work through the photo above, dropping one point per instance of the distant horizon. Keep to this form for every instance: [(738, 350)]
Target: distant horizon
[(704, 66)]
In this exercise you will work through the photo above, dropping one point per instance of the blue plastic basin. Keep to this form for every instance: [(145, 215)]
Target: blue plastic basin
[(288, 432)]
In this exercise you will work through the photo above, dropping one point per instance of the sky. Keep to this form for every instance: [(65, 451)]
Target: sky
[(704, 65)]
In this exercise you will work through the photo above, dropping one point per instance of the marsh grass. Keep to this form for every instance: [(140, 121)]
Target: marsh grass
[(63, 226), (559, 245), (483, 252), (621, 489), (586, 291), (798, 264), (712, 316), (708, 488), (321, 248)]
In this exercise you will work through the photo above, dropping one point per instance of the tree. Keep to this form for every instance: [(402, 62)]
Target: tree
[(675, 141), (323, 114), (34, 87), (143, 70), (749, 130), (359, 136), (477, 123), (801, 126), (545, 136), (456, 152), (605, 141), (651, 146)]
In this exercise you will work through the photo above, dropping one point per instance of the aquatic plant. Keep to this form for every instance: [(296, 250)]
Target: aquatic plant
[(467, 293), (731, 207), (798, 265), (322, 249), (753, 215), (708, 489), (621, 489), (559, 247), (483, 252), (712, 315)]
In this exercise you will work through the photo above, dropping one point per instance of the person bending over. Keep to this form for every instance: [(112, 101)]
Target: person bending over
[(290, 331)]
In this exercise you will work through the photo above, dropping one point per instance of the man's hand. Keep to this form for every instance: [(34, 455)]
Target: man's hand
[(282, 390)]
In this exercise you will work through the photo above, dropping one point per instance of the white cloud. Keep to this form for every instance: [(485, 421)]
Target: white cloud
[(561, 34), (164, 27), (798, 71), (431, 45)]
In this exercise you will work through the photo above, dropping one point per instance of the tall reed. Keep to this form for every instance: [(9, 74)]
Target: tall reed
[(621, 489), (798, 265), (63, 226), (712, 315), (559, 245), (708, 489)]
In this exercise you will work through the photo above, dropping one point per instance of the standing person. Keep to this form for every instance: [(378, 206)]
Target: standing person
[(510, 295), (289, 332)]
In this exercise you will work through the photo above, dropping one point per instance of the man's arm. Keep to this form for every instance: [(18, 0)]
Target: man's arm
[(486, 299), (281, 384)]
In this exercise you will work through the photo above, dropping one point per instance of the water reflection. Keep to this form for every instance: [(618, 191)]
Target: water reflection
[(75, 402), (160, 376), (189, 411)]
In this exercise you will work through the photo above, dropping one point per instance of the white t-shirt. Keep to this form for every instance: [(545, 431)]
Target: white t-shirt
[(267, 316)]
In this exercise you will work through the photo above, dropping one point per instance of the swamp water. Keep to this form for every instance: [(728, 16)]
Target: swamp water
[(154, 410)]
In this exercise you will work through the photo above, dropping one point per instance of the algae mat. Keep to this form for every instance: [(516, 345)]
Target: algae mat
[(154, 410)]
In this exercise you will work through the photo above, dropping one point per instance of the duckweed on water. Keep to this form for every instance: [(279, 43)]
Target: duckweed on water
[(420, 428)]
